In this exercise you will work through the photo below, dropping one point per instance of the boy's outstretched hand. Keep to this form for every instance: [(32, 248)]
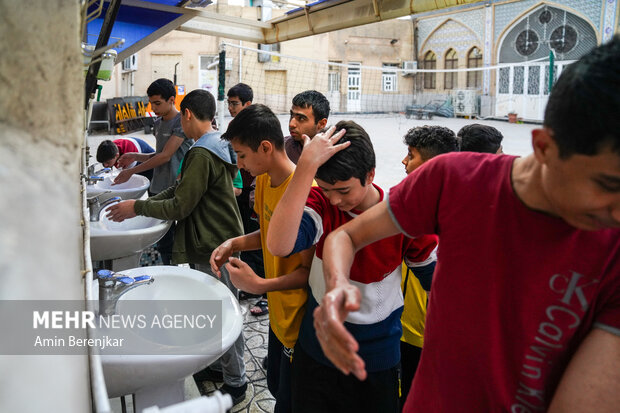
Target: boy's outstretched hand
[(123, 176), (243, 277), (220, 255), (337, 343), (121, 211), (322, 147)]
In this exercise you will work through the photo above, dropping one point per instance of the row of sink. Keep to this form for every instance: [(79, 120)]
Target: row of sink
[(154, 376)]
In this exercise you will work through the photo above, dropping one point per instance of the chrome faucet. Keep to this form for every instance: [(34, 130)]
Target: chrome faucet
[(112, 286), (95, 208), (91, 170), (92, 176)]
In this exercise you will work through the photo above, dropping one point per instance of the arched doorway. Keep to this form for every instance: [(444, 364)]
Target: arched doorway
[(523, 86)]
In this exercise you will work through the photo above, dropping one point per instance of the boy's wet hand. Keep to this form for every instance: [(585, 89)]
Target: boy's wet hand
[(122, 177), (219, 256), (339, 346), (243, 277), (121, 211)]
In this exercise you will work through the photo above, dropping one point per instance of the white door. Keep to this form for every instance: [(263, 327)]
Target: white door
[(525, 89), (333, 88), (354, 87)]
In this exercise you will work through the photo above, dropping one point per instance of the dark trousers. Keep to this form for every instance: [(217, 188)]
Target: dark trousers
[(279, 373), (409, 360), (317, 388)]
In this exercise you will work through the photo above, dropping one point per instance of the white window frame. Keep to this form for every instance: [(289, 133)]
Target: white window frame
[(333, 79), (389, 78)]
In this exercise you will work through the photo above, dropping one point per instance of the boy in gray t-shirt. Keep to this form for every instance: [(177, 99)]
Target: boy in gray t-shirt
[(165, 174), (171, 145), (171, 142)]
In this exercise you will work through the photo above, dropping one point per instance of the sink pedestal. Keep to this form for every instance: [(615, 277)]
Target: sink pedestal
[(162, 395)]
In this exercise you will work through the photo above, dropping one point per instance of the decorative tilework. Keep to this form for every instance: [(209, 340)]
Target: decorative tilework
[(505, 13), (608, 22), (150, 257), (450, 35), (426, 26), (473, 19), (486, 49)]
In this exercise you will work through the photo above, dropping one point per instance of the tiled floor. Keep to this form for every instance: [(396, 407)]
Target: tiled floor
[(258, 398)]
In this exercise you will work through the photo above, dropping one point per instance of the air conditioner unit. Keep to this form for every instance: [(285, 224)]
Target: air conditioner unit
[(464, 102), (130, 64), (409, 67)]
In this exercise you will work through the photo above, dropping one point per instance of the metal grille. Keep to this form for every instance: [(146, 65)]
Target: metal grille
[(563, 39), (544, 29), (517, 82), (504, 80), (533, 80)]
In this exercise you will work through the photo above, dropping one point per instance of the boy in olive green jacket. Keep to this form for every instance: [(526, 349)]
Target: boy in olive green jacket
[(204, 205)]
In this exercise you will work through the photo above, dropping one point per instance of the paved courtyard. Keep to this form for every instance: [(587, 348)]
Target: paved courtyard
[(387, 131)]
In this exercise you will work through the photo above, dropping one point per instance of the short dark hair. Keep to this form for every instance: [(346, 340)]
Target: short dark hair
[(431, 141), (242, 91), (201, 103), (162, 87), (316, 100), (255, 124), (106, 151), (584, 104), (479, 138), (355, 161)]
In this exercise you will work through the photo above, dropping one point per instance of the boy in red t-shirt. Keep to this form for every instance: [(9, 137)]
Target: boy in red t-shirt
[(525, 308), (109, 152)]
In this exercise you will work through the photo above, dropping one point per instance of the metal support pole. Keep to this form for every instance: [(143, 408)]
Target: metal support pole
[(551, 60), (90, 84), (221, 69)]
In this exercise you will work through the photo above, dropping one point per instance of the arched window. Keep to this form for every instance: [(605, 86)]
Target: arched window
[(474, 59), (429, 62), (451, 62)]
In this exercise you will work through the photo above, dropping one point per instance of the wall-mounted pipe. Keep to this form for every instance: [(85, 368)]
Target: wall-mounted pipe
[(99, 392)]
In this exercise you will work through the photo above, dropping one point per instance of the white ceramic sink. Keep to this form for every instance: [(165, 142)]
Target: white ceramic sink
[(110, 240), (134, 188), (158, 378)]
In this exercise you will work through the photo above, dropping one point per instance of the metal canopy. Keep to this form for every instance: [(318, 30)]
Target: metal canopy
[(141, 22), (328, 15)]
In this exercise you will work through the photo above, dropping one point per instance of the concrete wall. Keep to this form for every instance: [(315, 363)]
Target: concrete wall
[(41, 130)]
